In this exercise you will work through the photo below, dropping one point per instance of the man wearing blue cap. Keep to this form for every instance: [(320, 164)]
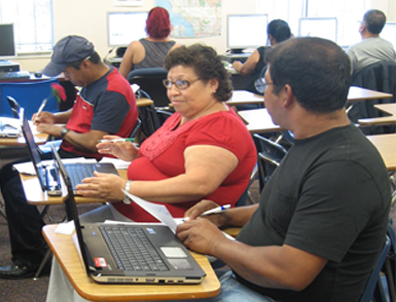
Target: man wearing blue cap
[(105, 105)]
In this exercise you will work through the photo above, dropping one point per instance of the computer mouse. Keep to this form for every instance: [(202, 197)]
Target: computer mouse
[(38, 74)]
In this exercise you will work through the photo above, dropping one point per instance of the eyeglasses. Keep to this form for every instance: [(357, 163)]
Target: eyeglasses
[(180, 84), (261, 85)]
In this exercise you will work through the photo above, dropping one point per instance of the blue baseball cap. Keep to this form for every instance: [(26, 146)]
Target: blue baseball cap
[(67, 50)]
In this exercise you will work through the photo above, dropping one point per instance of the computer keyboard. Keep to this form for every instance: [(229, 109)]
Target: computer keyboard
[(132, 250), (14, 75)]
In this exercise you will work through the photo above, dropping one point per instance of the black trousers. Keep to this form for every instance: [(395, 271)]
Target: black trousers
[(24, 221)]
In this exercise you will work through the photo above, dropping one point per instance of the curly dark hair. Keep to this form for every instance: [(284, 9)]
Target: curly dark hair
[(207, 64)]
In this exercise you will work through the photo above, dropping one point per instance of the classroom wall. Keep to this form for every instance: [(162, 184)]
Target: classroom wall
[(88, 18)]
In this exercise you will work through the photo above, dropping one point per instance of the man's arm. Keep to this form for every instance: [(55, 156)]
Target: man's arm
[(85, 141), (248, 67), (82, 141), (273, 266)]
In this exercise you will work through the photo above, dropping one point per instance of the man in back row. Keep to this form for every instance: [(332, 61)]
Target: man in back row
[(372, 48), (320, 225), (105, 105)]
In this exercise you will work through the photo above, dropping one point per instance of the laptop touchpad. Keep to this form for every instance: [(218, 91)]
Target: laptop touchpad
[(173, 252)]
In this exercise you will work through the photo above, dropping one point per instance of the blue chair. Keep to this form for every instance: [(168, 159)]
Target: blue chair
[(29, 95), (374, 278)]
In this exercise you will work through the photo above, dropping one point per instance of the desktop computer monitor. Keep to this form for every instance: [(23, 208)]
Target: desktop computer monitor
[(125, 27), (389, 33), (246, 31), (7, 44), (325, 28)]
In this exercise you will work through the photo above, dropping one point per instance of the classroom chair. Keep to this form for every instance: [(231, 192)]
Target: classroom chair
[(374, 279), (150, 81), (270, 155), (29, 96), (380, 76)]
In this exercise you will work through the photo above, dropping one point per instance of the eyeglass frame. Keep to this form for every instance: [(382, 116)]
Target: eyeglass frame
[(261, 85), (177, 85)]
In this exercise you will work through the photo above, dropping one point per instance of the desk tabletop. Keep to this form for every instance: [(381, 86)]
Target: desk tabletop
[(384, 120), (258, 121), (35, 196), (66, 253), (386, 146), (356, 94), (389, 108), (144, 102), (244, 97), (39, 138)]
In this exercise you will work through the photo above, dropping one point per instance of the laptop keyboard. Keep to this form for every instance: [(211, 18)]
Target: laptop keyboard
[(77, 172), (132, 250)]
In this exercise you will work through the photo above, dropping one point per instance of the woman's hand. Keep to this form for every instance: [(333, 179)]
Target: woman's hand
[(44, 118), (104, 185), (122, 150)]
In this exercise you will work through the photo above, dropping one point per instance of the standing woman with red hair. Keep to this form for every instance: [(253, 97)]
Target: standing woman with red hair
[(151, 51)]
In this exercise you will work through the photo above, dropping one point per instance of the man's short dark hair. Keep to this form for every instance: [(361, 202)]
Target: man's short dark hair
[(94, 58), (374, 20), (317, 70), (207, 64), (279, 30)]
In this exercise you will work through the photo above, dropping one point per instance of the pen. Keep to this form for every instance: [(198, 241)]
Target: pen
[(40, 109), (117, 140), (216, 210)]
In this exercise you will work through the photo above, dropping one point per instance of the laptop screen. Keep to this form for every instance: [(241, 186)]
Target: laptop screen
[(71, 204), (34, 154)]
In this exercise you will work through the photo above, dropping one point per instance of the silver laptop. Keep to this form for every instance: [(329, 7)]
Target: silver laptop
[(124, 253), (48, 174), (10, 127)]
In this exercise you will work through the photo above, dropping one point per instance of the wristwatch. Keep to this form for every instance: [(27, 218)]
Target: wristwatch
[(126, 199), (63, 132)]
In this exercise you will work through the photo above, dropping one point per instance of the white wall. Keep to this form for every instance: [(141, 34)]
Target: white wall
[(88, 18)]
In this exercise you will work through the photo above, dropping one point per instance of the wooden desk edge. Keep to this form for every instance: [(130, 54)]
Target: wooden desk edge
[(120, 292)]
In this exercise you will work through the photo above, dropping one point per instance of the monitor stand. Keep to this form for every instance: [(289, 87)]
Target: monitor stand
[(7, 65), (236, 50), (236, 54)]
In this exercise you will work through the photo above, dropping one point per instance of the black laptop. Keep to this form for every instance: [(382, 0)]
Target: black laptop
[(48, 174), (125, 253)]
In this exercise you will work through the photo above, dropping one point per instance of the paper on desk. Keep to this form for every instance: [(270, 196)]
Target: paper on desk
[(158, 211), (66, 228), (119, 164), (135, 87), (28, 168)]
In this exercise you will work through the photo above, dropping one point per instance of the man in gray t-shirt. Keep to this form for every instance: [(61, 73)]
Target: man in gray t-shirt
[(372, 48)]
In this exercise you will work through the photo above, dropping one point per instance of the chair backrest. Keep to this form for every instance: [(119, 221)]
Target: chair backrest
[(151, 119), (29, 96), (375, 274), (150, 81), (380, 76), (135, 128), (269, 157)]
